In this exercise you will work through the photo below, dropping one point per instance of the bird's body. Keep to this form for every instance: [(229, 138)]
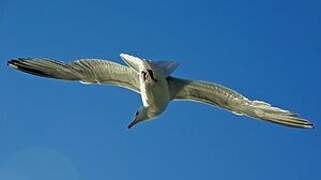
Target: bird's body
[(154, 88), (152, 80), (155, 95)]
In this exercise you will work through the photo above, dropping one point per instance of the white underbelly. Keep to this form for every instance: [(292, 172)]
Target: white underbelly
[(155, 94), (146, 98)]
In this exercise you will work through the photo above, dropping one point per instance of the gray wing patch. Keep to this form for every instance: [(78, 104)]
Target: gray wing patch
[(168, 67)]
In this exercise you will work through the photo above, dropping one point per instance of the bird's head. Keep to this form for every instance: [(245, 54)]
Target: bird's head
[(141, 115)]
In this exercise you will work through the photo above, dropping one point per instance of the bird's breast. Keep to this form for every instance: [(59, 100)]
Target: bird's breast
[(155, 94)]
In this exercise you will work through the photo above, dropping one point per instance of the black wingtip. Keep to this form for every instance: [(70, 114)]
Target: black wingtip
[(13, 63), (309, 125), (22, 64), (129, 126)]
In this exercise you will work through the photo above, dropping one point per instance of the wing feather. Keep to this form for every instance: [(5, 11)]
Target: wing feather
[(223, 97), (87, 71)]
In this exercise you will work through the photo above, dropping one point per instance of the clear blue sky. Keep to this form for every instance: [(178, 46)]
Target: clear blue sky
[(267, 50)]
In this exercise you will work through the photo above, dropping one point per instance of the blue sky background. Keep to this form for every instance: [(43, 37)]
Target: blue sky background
[(267, 50)]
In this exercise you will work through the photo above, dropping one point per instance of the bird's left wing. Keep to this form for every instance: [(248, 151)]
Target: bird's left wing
[(218, 95), (86, 71)]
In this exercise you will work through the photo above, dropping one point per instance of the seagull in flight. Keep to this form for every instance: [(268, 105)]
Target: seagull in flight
[(153, 81)]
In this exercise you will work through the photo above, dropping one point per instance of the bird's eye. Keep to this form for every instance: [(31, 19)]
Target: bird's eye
[(136, 113)]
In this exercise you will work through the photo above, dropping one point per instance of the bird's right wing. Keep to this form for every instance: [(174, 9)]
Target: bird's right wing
[(87, 71), (218, 95)]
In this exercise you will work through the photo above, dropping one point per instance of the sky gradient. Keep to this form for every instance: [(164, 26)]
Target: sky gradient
[(266, 50)]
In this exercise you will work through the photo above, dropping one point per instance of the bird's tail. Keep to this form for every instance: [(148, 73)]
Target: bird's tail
[(264, 111)]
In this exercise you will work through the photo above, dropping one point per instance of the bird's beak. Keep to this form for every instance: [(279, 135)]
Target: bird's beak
[(133, 123)]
